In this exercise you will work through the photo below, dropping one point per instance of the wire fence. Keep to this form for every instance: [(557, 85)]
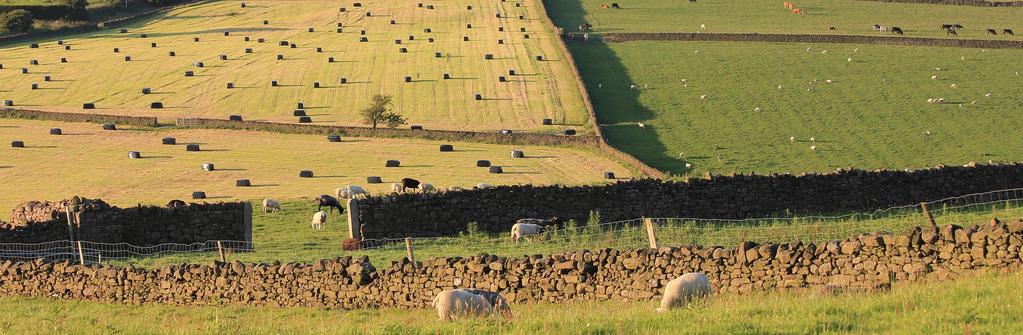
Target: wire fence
[(287, 243)]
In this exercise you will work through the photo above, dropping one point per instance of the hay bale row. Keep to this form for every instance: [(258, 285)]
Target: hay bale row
[(109, 126), (518, 154), (446, 148), (198, 195), (334, 138), (482, 163), (495, 169), (192, 147), (242, 183)]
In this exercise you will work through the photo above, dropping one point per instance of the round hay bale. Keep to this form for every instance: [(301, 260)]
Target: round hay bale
[(548, 122), (500, 41), (518, 154), (427, 30), (208, 167), (482, 163), (446, 148), (569, 132), (403, 50), (88, 105), (394, 22), (429, 6), (330, 59), (305, 119), (392, 163), (340, 30), (416, 127), (134, 154), (124, 31), (374, 180), (300, 105), (522, 30), (609, 175), (344, 10), (60, 42), (502, 79), (319, 49), (283, 43), (195, 39), (280, 57), (266, 22), (511, 72), (33, 46), (506, 132), (539, 57), (67, 47), (363, 39), (143, 35), (488, 56), (192, 147), (235, 118), (146, 90), (227, 33), (495, 169), (243, 5), (172, 53), (468, 7), (169, 141), (522, 17), (198, 195), (526, 36), (334, 138), (35, 86), (465, 38), (24, 70), (242, 183), (63, 60), (420, 5), (430, 39), (156, 105), (293, 45), (500, 28), (397, 41), (109, 126), (299, 112), (260, 40), (189, 74), (55, 131), (339, 25), (199, 64), (438, 55), (362, 32), (468, 26), (246, 38), (17, 144), (305, 174), (33, 62), (230, 85), (351, 244)]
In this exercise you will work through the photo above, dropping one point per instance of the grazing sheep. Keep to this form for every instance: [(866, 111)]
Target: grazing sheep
[(525, 230), (689, 166), (330, 202), (934, 77), (829, 81), (974, 102), (928, 132), (319, 218), (409, 184), (808, 49), (757, 109), (427, 188), (499, 303), (792, 138), (849, 60), (483, 186), (940, 100), (176, 203), (350, 192), (703, 97), (397, 188), (641, 125), (930, 101), (779, 87), (953, 86), (813, 140), (271, 205), (553, 221), (679, 291), (824, 52), (454, 189), (988, 95), (633, 87), (856, 50), (813, 148), (458, 303)]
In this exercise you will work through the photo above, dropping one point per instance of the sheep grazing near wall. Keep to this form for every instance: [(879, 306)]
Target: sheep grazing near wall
[(409, 184), (427, 188), (271, 205), (319, 218), (679, 291), (351, 192), (525, 230), (458, 303), (497, 302), (330, 202), (483, 186), (397, 188)]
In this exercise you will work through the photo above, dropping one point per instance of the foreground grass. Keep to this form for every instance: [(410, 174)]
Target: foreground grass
[(874, 115), (982, 304)]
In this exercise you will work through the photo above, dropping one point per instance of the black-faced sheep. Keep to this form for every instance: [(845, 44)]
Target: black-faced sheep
[(319, 218), (681, 290)]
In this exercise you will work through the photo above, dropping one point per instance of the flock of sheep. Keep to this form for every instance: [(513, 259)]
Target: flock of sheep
[(474, 303)]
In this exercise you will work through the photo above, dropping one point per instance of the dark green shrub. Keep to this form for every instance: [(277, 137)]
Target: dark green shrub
[(18, 21)]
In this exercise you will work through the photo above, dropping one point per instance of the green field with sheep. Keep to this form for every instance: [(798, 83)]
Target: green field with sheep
[(979, 304), (516, 89)]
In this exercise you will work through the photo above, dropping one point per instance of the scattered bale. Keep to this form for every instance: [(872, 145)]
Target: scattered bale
[(273, 83), (208, 167), (518, 154), (169, 141), (143, 35), (189, 74), (195, 39), (55, 131), (192, 147), (146, 90), (293, 45), (465, 38), (330, 59), (17, 144), (392, 163), (243, 5), (468, 7), (495, 169), (488, 56), (266, 22), (283, 43), (33, 46), (124, 31), (60, 42), (299, 112), (408, 79), (319, 49), (156, 105), (522, 30), (479, 96), (199, 64), (362, 32), (403, 50), (511, 72), (67, 47), (525, 36), (482, 163), (500, 28), (344, 80), (468, 26), (500, 41), (230, 85), (8, 103), (88, 105), (312, 30), (33, 62), (127, 58), (242, 183), (394, 22), (300, 105), (416, 127), (316, 84), (363, 39), (609, 175), (397, 41), (223, 57), (447, 76), (280, 57), (24, 70), (339, 30), (374, 180), (63, 60), (569, 132), (246, 38), (502, 79), (235, 117), (548, 122), (305, 119), (539, 57), (446, 148), (172, 53), (334, 138), (429, 6), (134, 154), (260, 40), (35, 86), (248, 50), (430, 39), (427, 30), (109, 126), (198, 195), (305, 174)]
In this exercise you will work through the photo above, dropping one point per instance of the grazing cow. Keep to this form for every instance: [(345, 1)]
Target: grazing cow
[(952, 32), (957, 26), (992, 32), (330, 202), (409, 184), (1008, 31), (604, 6), (831, 28), (946, 26), (896, 30)]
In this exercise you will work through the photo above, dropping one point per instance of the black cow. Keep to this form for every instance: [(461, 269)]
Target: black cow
[(957, 26), (330, 202), (896, 30), (409, 183), (946, 26)]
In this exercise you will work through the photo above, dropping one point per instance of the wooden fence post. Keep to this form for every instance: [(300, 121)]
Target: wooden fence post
[(408, 250), (650, 233), (220, 251), (930, 218), (81, 253)]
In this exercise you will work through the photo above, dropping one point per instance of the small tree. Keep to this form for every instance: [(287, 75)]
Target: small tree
[(377, 113), (77, 10), (16, 21)]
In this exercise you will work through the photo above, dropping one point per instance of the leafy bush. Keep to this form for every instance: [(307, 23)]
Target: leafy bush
[(17, 21)]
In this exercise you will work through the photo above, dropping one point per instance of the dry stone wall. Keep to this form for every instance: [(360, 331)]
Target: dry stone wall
[(797, 38), (869, 261), (96, 221), (729, 197)]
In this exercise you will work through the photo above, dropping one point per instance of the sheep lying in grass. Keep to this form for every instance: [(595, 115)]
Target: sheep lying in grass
[(319, 218), (458, 303), (350, 192), (271, 205), (681, 290)]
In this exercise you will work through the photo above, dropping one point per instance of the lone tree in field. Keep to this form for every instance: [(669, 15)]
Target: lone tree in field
[(377, 113)]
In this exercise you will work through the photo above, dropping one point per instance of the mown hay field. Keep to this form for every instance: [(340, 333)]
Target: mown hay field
[(95, 73), (986, 303), (873, 114), (93, 163), (849, 17)]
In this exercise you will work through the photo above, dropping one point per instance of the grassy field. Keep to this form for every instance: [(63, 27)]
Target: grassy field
[(986, 303), (96, 74), (873, 115), (769, 16), (93, 163)]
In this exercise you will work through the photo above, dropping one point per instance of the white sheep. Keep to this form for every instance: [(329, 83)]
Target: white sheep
[(458, 303), (988, 95), (779, 87), (455, 189), (824, 52), (397, 188), (525, 230), (757, 109), (828, 81), (934, 77), (849, 60), (633, 87), (681, 290), (940, 100), (703, 97), (930, 101), (427, 188), (927, 132), (271, 205), (808, 49), (483, 186), (641, 124), (351, 191), (953, 86), (689, 166), (813, 140), (792, 138), (319, 218), (813, 148), (703, 26), (856, 50)]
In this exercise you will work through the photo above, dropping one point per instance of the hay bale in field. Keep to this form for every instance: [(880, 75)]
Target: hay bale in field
[(305, 174), (273, 83), (33, 46), (172, 54), (411, 37), (248, 50), (189, 74), (60, 42), (548, 122), (394, 22), (344, 80), (397, 41), (24, 70), (283, 43), (502, 79), (156, 105), (266, 22), (47, 78), (479, 96), (280, 57), (609, 175), (208, 167), (465, 38), (192, 147), (243, 5), (420, 5), (152, 45), (299, 112), (518, 154), (447, 76), (260, 40), (438, 55), (416, 127), (330, 59), (223, 57), (429, 6), (169, 141), (343, 10), (403, 50), (495, 169), (505, 132), (242, 183), (522, 30), (569, 132), (124, 31), (369, 14), (143, 35), (430, 39), (17, 144), (127, 58), (109, 126), (134, 154), (363, 39), (196, 39), (235, 118), (408, 79), (67, 47), (8, 103), (293, 45), (35, 86), (198, 195), (33, 62), (300, 105), (199, 64), (468, 26), (316, 84), (511, 72), (246, 38), (227, 33), (488, 56), (468, 7), (500, 41), (374, 180), (362, 32), (357, 4), (539, 57), (446, 148), (522, 17), (319, 49), (427, 30), (498, 15), (311, 30), (500, 28), (305, 119), (482, 163), (340, 30), (230, 85), (63, 59), (116, 50), (392, 163), (526, 36), (55, 131), (334, 138)]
